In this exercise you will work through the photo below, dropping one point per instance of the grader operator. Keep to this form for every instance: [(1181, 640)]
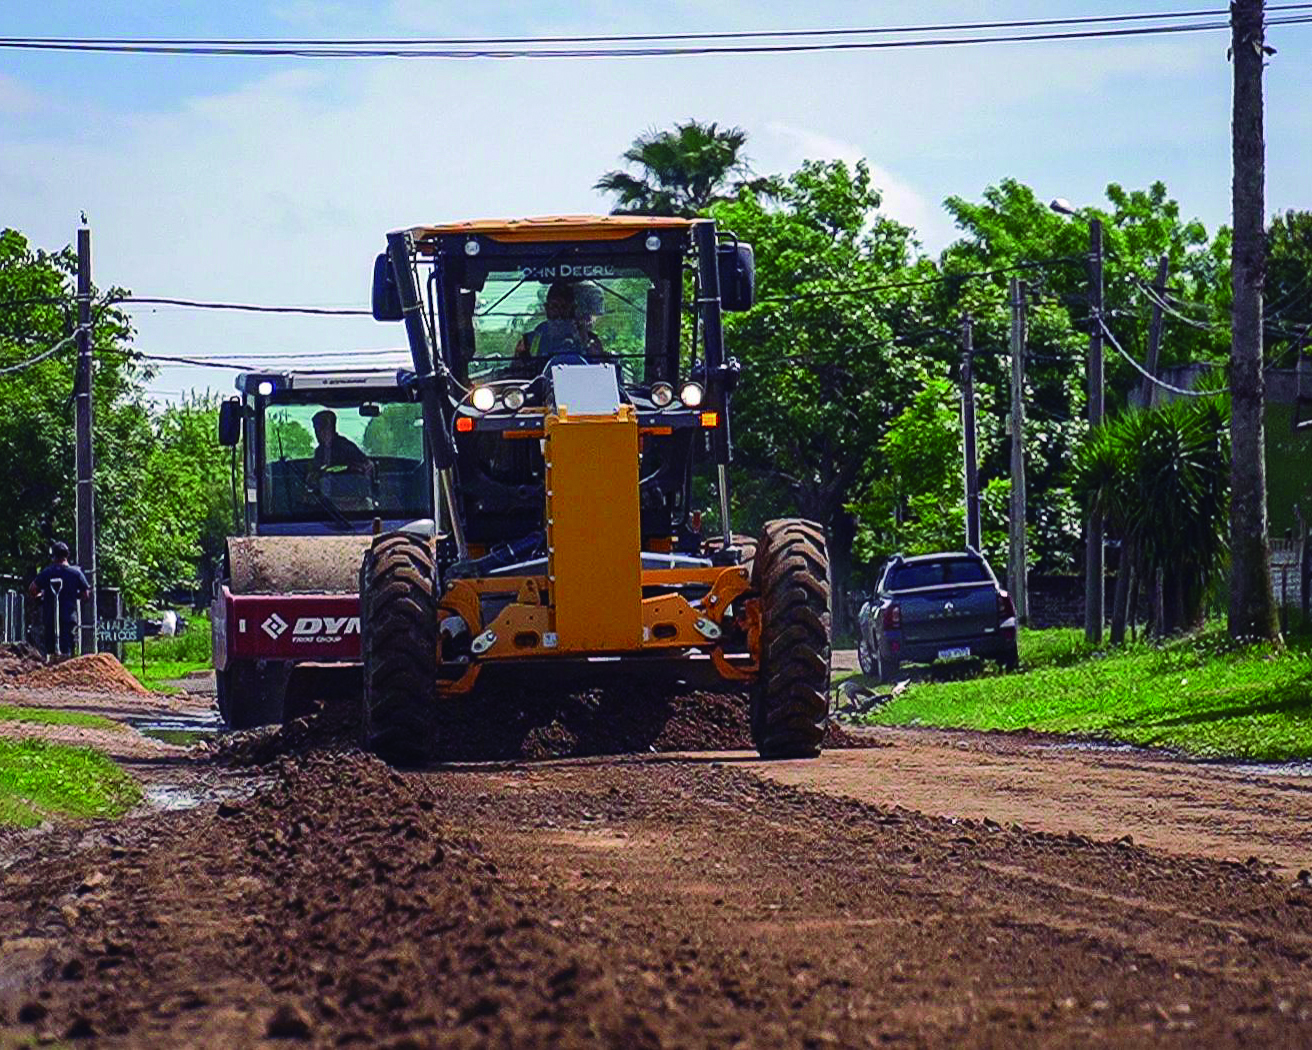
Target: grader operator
[(571, 373)]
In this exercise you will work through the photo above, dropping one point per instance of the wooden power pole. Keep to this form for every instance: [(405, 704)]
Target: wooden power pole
[(1017, 583), (83, 454), (1155, 332), (1252, 603), (968, 430), (1093, 554)]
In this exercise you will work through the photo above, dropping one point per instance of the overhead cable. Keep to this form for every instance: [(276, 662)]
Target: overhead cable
[(8, 369), (198, 304), (1107, 332), (281, 50), (617, 38), (919, 282)]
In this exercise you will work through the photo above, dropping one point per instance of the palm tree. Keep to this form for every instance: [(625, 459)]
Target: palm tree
[(1161, 479), (683, 171)]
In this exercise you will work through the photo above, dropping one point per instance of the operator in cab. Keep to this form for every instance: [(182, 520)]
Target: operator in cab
[(572, 311), (335, 450)]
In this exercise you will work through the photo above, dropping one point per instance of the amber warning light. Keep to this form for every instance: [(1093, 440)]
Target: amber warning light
[(710, 419)]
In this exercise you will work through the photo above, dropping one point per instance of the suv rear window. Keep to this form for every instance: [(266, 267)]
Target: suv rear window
[(935, 573)]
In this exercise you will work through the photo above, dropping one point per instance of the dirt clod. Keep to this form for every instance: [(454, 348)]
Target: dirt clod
[(538, 724)]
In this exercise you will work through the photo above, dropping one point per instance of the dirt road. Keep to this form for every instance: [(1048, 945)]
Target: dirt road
[(653, 901)]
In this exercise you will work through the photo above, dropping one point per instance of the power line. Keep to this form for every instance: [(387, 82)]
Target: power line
[(198, 304), (611, 38), (944, 278), (22, 365), (1107, 332), (280, 50)]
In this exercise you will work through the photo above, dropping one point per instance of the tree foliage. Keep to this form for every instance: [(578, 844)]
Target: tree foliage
[(683, 171), (155, 487), (1161, 478)]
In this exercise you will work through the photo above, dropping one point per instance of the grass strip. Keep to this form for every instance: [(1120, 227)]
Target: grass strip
[(49, 716), (1203, 695), (39, 779)]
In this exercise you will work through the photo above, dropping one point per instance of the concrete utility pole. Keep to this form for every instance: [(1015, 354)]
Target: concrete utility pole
[(1017, 583), (83, 454), (1154, 332), (968, 429), (1093, 563), (1252, 604)]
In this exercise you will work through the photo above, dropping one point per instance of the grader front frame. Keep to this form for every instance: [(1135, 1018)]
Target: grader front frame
[(579, 378)]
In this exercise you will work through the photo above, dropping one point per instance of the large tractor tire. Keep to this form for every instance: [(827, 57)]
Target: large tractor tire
[(248, 696), (790, 702), (398, 635)]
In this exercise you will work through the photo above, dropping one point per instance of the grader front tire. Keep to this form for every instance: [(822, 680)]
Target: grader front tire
[(790, 703), (398, 635)]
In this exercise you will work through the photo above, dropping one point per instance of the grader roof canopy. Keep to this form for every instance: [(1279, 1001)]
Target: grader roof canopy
[(551, 228)]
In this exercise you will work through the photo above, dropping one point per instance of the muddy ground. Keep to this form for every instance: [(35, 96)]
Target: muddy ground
[(931, 890)]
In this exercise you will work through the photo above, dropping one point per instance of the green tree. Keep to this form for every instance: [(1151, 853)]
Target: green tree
[(683, 171), (824, 369), (1011, 226), (395, 432)]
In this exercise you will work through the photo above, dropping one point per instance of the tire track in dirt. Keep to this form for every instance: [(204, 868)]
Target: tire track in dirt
[(640, 902)]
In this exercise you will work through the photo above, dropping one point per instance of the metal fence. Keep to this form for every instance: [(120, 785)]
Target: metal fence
[(13, 616)]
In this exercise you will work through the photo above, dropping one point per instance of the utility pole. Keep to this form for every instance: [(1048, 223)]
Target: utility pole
[(1018, 584), (1093, 564), (1252, 604), (1154, 332), (968, 429), (83, 455)]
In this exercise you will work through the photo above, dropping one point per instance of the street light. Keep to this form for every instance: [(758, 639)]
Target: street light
[(1062, 206)]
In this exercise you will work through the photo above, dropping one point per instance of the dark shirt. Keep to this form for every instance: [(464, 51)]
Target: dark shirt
[(74, 586), (340, 452)]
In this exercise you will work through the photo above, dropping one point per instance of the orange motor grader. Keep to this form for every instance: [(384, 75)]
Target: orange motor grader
[(572, 375)]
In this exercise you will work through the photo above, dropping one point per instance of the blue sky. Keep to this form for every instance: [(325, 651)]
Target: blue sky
[(274, 180)]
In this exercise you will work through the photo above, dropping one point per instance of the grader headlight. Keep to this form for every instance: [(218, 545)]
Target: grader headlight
[(483, 398)]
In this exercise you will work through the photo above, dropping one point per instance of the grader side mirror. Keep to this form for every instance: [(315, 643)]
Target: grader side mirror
[(230, 422), (737, 277), (385, 301)]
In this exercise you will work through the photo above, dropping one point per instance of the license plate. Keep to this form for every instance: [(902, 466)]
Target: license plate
[(954, 654)]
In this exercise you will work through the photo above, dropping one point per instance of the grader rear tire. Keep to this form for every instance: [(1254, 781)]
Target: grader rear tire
[(398, 636), (790, 702)]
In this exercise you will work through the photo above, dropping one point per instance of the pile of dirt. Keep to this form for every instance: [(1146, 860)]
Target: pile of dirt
[(510, 724), (94, 673), (18, 659), (332, 908)]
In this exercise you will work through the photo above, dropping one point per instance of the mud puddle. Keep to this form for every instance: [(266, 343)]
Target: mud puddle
[(181, 729)]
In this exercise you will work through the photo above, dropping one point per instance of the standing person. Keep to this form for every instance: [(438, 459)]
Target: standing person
[(59, 587)]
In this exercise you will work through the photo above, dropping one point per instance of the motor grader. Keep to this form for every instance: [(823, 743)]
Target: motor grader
[(572, 378)]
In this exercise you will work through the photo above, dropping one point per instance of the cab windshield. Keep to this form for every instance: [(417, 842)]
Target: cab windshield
[(342, 461), (525, 317)]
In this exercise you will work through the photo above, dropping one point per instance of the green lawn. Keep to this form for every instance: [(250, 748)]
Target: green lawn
[(168, 659), (1201, 695), (40, 780), (48, 716)]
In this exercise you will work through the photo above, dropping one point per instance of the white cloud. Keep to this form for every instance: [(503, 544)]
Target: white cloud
[(281, 188), (901, 200)]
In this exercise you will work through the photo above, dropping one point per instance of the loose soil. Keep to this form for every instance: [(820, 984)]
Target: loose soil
[(96, 672), (506, 724), (1218, 810), (17, 659), (645, 902)]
